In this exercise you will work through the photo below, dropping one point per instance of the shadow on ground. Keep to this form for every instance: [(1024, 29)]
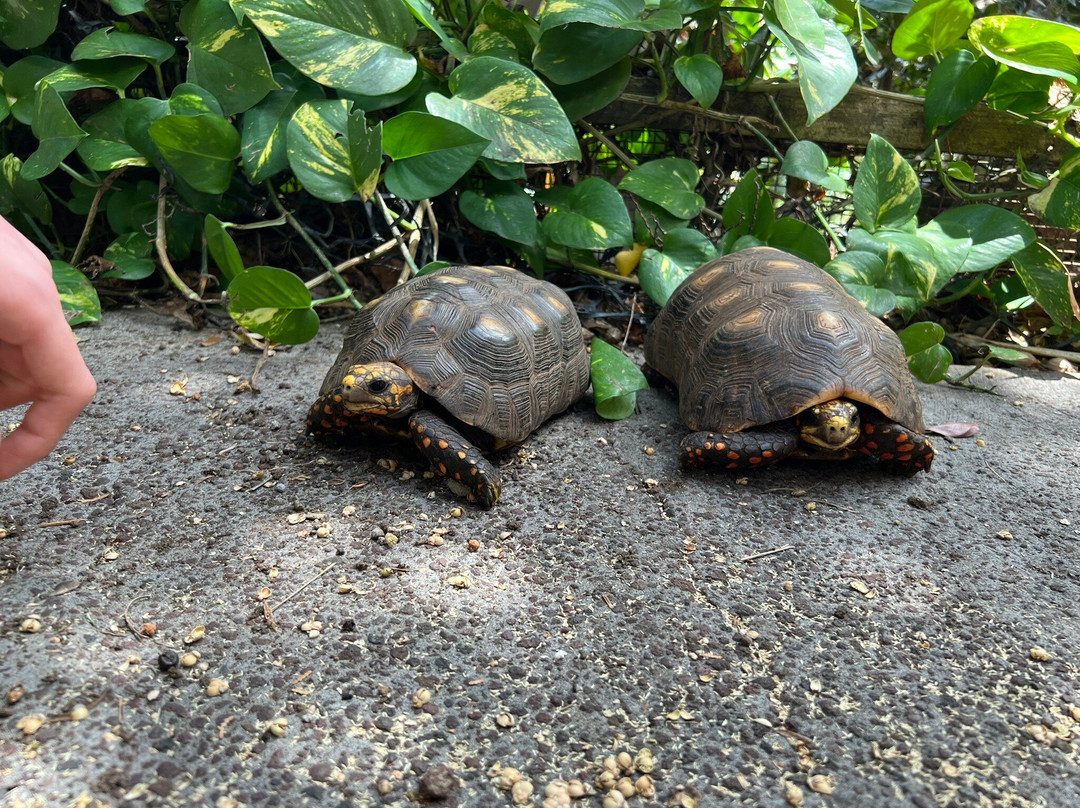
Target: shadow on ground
[(883, 652)]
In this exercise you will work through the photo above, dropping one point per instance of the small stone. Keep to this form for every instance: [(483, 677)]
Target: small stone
[(473, 545), (323, 531), (384, 786), (15, 694), (1004, 535), (645, 787), (31, 625), (216, 687), (189, 659), (149, 629), (644, 761), (439, 783), (167, 660), (30, 724), (78, 712), (521, 792), (421, 697), (613, 799), (794, 794), (1039, 654)]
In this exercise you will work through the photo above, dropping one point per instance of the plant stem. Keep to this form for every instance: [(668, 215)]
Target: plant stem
[(77, 176), (658, 66), (92, 214), (333, 299), (406, 250), (41, 236), (946, 180), (319, 255), (612, 146), (162, 247)]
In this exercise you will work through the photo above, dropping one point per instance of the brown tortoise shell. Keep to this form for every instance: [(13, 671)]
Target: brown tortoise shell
[(760, 335), (498, 349)]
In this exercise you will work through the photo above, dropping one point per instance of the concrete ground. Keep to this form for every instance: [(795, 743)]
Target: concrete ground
[(816, 635)]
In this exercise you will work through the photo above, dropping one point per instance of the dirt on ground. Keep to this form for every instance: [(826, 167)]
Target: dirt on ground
[(199, 606)]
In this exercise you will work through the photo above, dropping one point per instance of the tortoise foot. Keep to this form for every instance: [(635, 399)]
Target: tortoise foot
[(737, 450), (328, 416), (897, 448), (454, 457)]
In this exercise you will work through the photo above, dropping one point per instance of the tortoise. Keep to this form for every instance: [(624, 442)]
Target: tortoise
[(771, 359), (463, 360)]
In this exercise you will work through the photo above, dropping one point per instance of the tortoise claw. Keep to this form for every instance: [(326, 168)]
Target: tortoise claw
[(898, 449), (454, 457)]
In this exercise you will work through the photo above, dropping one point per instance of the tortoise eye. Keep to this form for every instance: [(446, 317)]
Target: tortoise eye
[(378, 385)]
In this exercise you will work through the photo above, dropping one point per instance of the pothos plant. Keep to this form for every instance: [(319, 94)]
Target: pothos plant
[(175, 122)]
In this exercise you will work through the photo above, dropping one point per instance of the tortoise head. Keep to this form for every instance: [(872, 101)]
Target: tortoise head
[(832, 425), (379, 388)]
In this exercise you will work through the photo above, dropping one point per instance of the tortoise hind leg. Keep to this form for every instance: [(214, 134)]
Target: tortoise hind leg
[(737, 450), (454, 457), (897, 448)]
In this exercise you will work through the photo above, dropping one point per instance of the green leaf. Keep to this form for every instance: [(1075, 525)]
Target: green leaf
[(20, 194), (668, 182), (77, 295), (615, 381), (222, 247), (592, 217), (56, 131), (957, 84), (332, 152), (807, 161), (517, 26), (1030, 44), (486, 41), (127, 7), (911, 265), (27, 23), (974, 238), (826, 73), (502, 208), (106, 147), (688, 248), (701, 76), (108, 43), (431, 266), (131, 254), (886, 191), (262, 143), (506, 103), (797, 237), (559, 53), (863, 276), (225, 56), (660, 275), (594, 93), (749, 209), (1048, 281), (116, 74), (274, 303), (1018, 92), (921, 336), (960, 170), (799, 18), (430, 154), (343, 44), (928, 360), (20, 85), (931, 27), (423, 12), (616, 14), (202, 149)]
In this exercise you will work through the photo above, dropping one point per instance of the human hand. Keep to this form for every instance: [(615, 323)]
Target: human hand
[(40, 363)]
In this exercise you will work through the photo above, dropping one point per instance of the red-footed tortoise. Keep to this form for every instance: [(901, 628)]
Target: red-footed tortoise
[(463, 360), (772, 359)]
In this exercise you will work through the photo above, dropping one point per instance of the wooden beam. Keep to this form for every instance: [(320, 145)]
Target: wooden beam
[(896, 117)]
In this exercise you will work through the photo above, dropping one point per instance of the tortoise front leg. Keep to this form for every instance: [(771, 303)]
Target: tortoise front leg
[(454, 457), (897, 448), (737, 450), (328, 416)]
